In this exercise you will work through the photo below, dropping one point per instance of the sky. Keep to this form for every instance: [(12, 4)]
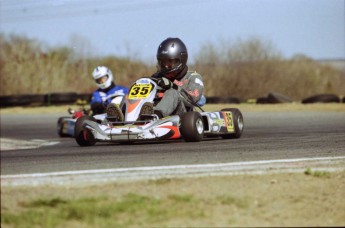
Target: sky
[(135, 28)]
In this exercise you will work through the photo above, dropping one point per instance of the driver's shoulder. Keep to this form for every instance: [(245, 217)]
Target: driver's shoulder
[(120, 87), (191, 73), (114, 90)]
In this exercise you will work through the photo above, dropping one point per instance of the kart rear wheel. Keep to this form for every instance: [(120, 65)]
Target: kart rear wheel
[(59, 126), (192, 127), (83, 136), (238, 123)]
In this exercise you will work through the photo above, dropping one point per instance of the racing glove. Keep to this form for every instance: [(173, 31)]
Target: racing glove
[(164, 83)]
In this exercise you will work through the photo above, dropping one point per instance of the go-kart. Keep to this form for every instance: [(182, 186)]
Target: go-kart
[(66, 124), (192, 126)]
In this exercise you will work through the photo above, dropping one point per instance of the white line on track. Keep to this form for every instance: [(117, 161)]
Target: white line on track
[(164, 171), (173, 167), (17, 144)]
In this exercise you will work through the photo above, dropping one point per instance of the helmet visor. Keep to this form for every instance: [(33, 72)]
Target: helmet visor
[(169, 64), (102, 79)]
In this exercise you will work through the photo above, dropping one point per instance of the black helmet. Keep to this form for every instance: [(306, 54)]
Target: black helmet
[(172, 57)]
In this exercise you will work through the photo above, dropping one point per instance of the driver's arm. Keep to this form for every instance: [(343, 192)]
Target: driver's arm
[(195, 87)]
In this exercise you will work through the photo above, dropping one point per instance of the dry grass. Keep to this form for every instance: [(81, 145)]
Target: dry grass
[(245, 69), (253, 68), (27, 67), (284, 199)]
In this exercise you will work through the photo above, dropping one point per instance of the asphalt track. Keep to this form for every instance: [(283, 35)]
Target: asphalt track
[(267, 136)]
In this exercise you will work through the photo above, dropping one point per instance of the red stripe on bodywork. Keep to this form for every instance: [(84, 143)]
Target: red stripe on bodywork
[(176, 131), (132, 106), (225, 119)]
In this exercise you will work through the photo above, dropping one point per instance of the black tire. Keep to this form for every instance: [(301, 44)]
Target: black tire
[(83, 136), (60, 98), (59, 126), (343, 100), (21, 100), (192, 127), (322, 98), (223, 100), (238, 123), (274, 98), (277, 98), (262, 100)]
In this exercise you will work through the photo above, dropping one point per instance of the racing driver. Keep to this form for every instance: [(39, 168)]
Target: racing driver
[(104, 79), (173, 76)]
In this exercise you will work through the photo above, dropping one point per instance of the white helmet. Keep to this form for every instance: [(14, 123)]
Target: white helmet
[(100, 72)]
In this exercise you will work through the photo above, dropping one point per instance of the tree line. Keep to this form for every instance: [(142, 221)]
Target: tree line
[(245, 69)]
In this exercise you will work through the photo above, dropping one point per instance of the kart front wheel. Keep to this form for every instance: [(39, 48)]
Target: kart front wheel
[(59, 126), (192, 127), (83, 136)]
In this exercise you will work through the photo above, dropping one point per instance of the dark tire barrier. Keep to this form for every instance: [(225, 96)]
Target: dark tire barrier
[(60, 98), (223, 100), (85, 96), (71, 98), (262, 100), (276, 98), (43, 99), (322, 98), (21, 100)]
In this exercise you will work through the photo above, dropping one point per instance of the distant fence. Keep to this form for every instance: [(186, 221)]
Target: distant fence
[(42, 100), (71, 98)]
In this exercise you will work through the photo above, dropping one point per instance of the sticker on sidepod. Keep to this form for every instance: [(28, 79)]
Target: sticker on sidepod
[(140, 91), (219, 122), (229, 121)]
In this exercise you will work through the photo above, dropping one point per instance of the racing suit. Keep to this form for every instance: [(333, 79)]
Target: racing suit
[(100, 98), (173, 102)]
